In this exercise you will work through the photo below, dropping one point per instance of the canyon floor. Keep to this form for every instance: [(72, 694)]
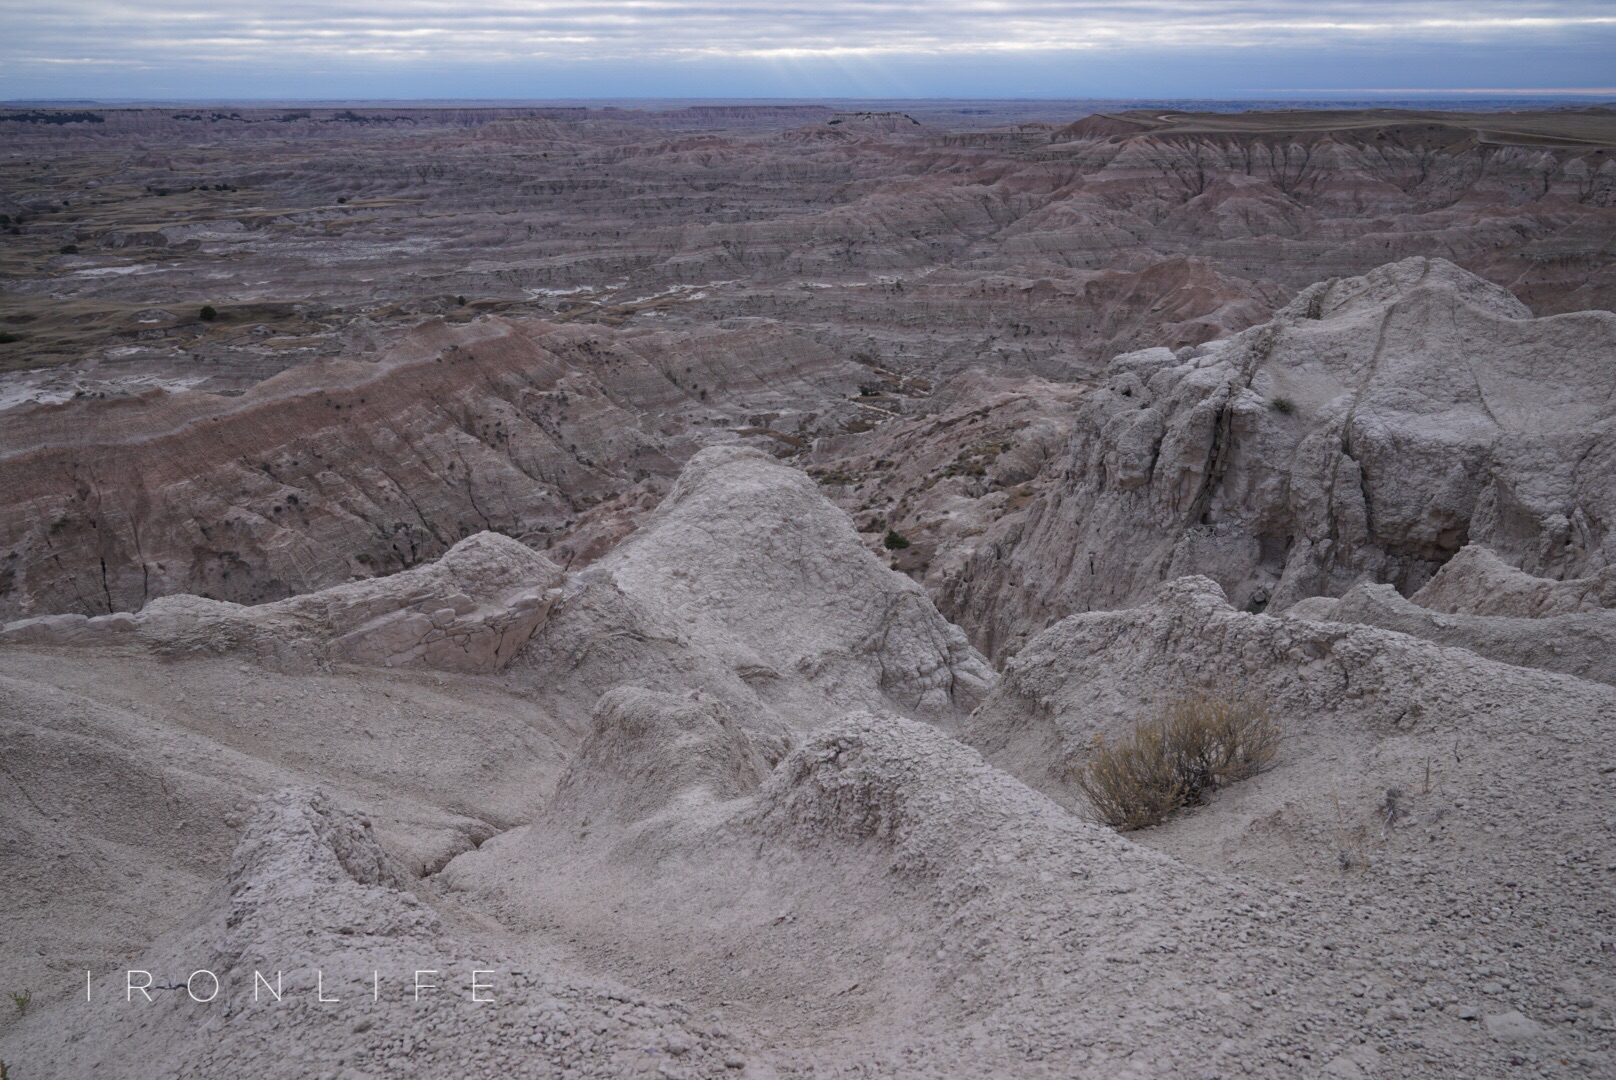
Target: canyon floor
[(617, 591)]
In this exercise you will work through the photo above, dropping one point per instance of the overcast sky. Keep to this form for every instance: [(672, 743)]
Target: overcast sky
[(845, 48)]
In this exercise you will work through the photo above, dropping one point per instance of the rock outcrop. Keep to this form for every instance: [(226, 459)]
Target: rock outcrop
[(1366, 434), (469, 611), (1579, 643), (1478, 582)]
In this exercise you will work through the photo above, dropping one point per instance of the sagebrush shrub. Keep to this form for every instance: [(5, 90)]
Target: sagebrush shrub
[(1131, 782), (1176, 758)]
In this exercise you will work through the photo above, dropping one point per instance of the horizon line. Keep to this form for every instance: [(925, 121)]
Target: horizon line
[(1242, 95)]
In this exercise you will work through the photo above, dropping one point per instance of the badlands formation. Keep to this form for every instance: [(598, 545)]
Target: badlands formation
[(630, 592)]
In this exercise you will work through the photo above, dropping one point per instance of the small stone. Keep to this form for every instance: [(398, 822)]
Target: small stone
[(1513, 1027), (1343, 1068)]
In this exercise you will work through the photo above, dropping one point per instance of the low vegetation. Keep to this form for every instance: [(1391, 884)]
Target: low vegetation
[(1176, 759), (1282, 405), (208, 313), (895, 541), (22, 1000)]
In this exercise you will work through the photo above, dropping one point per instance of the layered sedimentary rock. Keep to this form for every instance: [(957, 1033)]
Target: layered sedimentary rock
[(584, 634), (1094, 673), (1479, 602), (312, 231), (321, 233), (349, 469)]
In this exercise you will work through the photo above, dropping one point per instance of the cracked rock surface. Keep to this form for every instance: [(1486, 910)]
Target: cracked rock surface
[(1366, 434)]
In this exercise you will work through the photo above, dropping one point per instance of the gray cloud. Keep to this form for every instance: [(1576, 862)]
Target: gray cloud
[(55, 39)]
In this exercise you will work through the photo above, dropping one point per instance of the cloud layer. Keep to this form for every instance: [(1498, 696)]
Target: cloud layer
[(101, 45)]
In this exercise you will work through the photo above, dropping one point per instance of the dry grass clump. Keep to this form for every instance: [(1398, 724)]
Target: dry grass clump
[(1196, 745)]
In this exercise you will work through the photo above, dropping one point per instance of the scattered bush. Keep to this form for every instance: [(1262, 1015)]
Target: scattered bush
[(1132, 783), (70, 249), (1195, 746), (895, 541), (342, 198), (7, 339), (208, 313), (1283, 405), (461, 300), (22, 1001)]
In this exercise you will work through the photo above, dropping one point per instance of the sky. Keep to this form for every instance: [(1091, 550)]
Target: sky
[(392, 49)]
